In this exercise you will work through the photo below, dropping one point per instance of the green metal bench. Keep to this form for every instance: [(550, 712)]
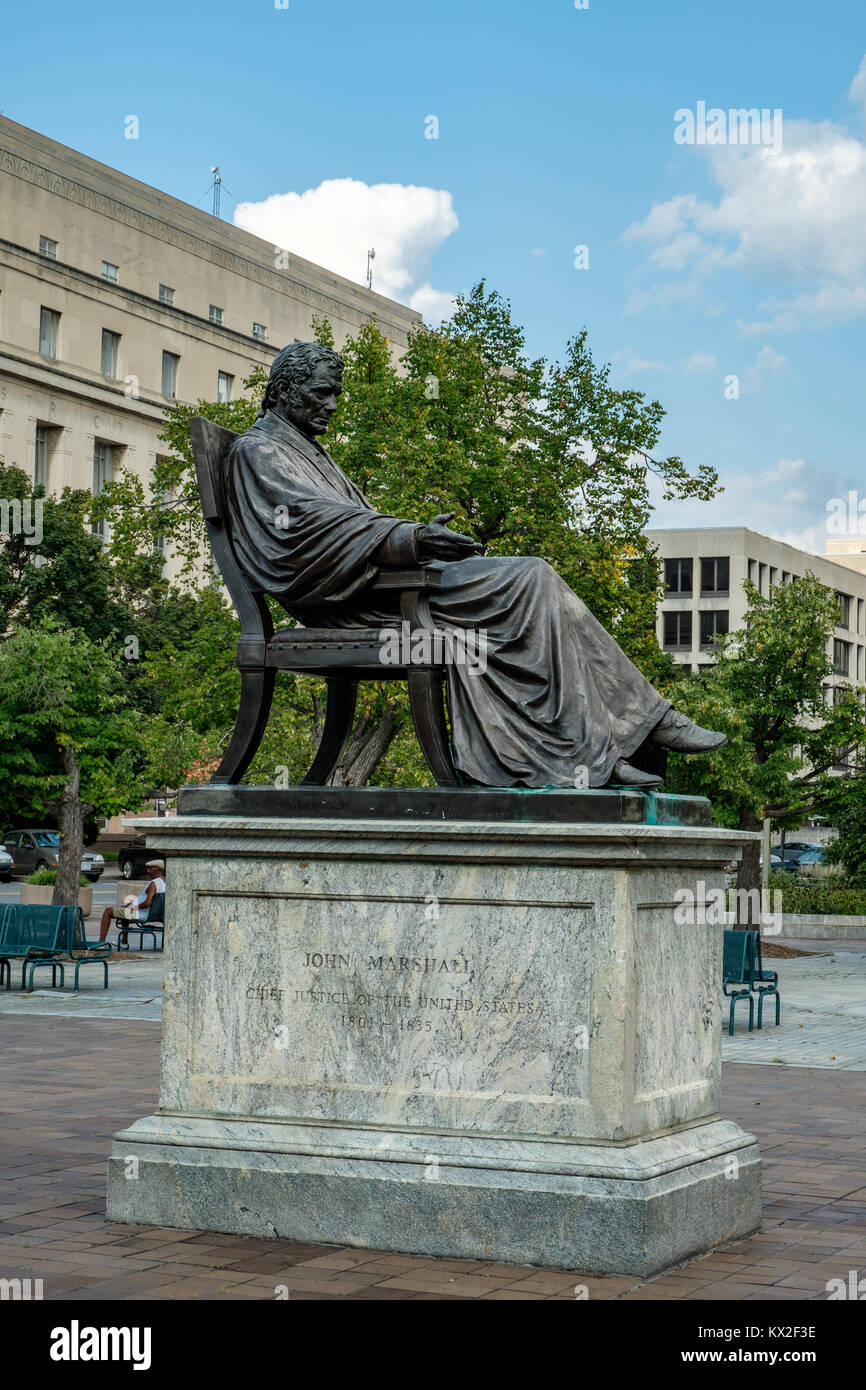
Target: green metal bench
[(5, 972), (38, 935), (737, 972), (145, 926), (765, 982), (84, 952)]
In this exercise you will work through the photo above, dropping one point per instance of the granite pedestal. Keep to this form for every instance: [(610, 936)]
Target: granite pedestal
[(449, 1037)]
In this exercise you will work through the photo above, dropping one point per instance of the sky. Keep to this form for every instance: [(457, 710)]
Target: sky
[(470, 139)]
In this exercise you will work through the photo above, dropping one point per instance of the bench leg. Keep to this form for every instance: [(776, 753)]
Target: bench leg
[(339, 713), (257, 691), (768, 993), (428, 715), (84, 961)]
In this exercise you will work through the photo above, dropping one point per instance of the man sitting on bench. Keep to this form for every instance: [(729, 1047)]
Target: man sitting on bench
[(156, 884)]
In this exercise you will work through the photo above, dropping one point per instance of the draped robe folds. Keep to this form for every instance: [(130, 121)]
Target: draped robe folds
[(558, 703)]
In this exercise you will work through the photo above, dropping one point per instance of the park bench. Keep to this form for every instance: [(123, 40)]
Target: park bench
[(38, 935), (744, 966), (737, 974), (150, 925), (84, 952), (766, 982), (45, 934)]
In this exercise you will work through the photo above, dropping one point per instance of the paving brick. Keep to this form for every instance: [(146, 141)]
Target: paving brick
[(52, 1226)]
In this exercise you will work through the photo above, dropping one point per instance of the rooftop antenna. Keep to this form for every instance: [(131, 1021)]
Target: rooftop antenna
[(217, 181), (371, 256)]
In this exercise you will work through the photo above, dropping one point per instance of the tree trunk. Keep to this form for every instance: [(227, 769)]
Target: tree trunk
[(749, 873), (365, 750), (70, 811)]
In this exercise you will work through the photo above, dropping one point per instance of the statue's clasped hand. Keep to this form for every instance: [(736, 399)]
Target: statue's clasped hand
[(437, 542)]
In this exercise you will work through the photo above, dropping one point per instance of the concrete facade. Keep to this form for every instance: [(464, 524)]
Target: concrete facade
[(100, 251), (766, 563)]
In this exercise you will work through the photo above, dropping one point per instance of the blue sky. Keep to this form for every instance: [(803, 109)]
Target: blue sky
[(556, 129)]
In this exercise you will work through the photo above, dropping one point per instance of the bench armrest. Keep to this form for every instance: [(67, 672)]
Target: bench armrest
[(422, 577)]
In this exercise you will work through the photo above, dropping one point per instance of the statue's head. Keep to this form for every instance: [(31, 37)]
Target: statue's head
[(305, 381)]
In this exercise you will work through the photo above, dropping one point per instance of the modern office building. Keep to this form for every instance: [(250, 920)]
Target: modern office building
[(116, 299), (704, 572)]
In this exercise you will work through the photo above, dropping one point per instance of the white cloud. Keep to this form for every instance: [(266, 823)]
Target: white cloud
[(628, 362), (786, 500), (700, 362), (857, 90), (434, 305), (767, 365), (793, 215), (335, 224)]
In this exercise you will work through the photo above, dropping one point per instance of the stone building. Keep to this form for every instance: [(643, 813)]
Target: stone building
[(704, 571), (116, 299)]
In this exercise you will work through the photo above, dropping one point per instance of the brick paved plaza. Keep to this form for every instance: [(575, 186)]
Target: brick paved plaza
[(69, 1083)]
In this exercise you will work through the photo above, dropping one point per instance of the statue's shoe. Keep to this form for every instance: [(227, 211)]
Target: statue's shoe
[(679, 733), (628, 776)]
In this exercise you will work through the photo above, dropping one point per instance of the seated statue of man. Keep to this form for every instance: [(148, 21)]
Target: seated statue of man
[(558, 705)]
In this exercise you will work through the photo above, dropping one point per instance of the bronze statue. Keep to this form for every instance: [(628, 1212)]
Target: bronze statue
[(559, 704)]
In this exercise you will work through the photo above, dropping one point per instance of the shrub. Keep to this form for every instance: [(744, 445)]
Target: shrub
[(822, 897), (46, 878)]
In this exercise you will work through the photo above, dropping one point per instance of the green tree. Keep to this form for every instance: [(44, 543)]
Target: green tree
[(69, 743), (766, 691)]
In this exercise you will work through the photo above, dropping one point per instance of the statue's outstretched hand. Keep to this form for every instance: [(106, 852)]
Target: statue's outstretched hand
[(436, 542)]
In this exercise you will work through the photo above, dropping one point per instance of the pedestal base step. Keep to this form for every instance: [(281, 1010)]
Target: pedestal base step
[(630, 1209)]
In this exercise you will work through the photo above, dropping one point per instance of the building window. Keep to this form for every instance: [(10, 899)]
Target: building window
[(762, 572), (260, 333), (42, 457), (713, 624), (859, 615), (215, 314), (110, 272), (774, 574), (715, 575), (752, 567), (162, 500), (49, 332), (844, 602), (678, 576), (224, 387), (785, 577), (166, 295), (103, 464), (170, 363), (48, 247), (841, 657), (678, 630), (110, 346)]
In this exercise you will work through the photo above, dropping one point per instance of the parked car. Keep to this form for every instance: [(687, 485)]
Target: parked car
[(40, 849), (800, 846), (787, 861), (7, 864), (812, 865), (132, 858)]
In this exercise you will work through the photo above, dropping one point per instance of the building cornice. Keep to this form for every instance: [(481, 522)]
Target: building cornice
[(283, 283)]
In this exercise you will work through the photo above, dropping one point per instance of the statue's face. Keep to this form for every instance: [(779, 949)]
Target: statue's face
[(314, 401)]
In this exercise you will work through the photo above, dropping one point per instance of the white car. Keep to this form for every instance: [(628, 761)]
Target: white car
[(6, 866)]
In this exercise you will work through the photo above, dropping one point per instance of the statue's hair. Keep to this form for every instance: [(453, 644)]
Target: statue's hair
[(291, 368)]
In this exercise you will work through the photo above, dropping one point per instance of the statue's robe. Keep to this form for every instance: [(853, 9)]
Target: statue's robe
[(558, 703)]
